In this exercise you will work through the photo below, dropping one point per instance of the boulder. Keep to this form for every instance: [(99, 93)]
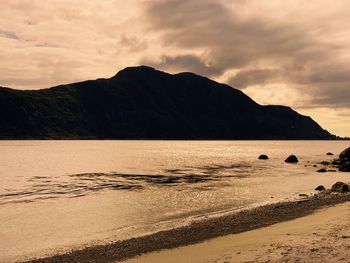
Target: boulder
[(344, 167), (344, 160), (325, 162), (335, 162), (340, 187), (345, 154), (292, 159), (263, 157), (328, 191), (322, 170), (320, 188), (329, 153)]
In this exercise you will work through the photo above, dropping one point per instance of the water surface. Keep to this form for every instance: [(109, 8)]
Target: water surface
[(59, 195)]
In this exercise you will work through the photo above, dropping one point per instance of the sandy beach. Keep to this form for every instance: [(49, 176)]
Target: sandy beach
[(323, 236), (255, 235)]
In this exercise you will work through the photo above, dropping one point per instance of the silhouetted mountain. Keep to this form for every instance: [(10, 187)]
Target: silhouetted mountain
[(141, 102)]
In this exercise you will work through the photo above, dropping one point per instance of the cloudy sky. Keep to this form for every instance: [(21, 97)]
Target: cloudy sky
[(290, 52)]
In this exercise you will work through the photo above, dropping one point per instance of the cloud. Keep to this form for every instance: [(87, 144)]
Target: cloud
[(261, 51), (189, 62), (230, 41), (290, 51), (132, 43), (246, 78), (48, 43)]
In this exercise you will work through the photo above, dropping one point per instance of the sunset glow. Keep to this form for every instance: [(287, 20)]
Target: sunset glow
[(294, 53)]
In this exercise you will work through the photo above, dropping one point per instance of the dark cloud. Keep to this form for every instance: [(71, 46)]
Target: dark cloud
[(260, 50), (246, 78), (133, 43), (231, 42), (191, 63)]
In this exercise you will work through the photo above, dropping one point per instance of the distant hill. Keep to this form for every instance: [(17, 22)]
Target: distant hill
[(143, 103)]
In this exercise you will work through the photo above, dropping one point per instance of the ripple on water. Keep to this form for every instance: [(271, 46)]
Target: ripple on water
[(78, 185)]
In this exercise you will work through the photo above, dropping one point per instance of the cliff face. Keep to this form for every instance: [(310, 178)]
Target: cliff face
[(143, 103)]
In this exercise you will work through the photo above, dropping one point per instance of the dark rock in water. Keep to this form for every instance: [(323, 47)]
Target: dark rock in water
[(340, 187), (344, 160), (320, 188), (329, 153), (345, 166), (263, 157), (292, 159), (325, 163), (343, 163), (335, 162), (322, 170), (345, 154)]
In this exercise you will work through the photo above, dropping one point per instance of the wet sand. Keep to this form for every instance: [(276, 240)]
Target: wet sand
[(321, 237), (197, 232)]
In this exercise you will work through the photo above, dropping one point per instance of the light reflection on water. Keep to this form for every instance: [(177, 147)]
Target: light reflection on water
[(56, 195), (78, 185)]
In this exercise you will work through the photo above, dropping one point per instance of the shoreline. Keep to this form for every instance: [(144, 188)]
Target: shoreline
[(196, 232), (322, 236)]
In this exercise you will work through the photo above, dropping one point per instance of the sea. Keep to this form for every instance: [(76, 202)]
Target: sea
[(57, 196)]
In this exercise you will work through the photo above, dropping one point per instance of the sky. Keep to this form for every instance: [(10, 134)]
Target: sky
[(288, 52)]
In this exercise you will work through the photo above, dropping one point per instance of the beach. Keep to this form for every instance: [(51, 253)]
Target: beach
[(255, 232), (323, 236)]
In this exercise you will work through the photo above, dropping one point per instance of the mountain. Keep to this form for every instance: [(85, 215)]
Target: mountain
[(143, 103)]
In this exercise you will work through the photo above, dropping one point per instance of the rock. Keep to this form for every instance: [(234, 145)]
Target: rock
[(303, 195), (345, 154), (292, 159), (320, 188), (315, 165), (322, 170), (344, 160), (263, 157), (340, 187), (335, 162), (325, 163), (344, 167), (329, 153)]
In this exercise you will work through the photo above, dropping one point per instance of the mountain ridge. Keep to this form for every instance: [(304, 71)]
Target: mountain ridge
[(144, 103)]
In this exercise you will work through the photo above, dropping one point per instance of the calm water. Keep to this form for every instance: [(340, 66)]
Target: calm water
[(59, 195)]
